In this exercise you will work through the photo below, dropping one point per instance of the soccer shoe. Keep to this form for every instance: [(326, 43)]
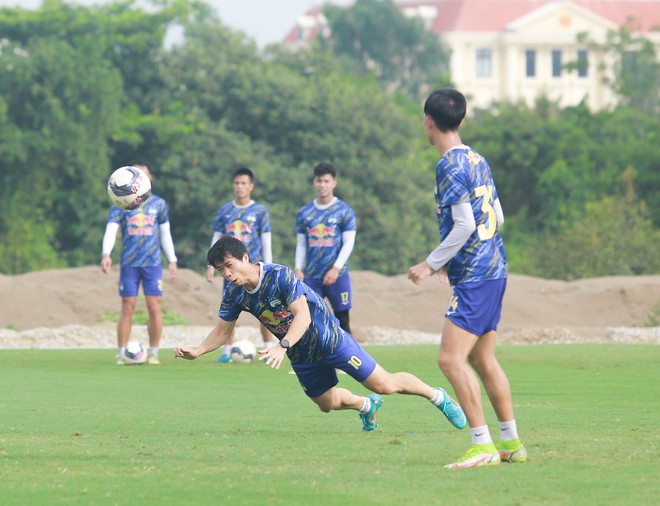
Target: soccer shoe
[(452, 410), (512, 451), (477, 456), (119, 361), (153, 361), (369, 418), (225, 359)]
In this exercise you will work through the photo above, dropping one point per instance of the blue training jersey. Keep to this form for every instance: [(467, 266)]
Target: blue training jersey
[(140, 233), (323, 229), (463, 175), (244, 223), (278, 288)]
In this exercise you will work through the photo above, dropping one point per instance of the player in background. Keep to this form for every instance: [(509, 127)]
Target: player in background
[(471, 257), (325, 236), (309, 335), (249, 222), (143, 232)]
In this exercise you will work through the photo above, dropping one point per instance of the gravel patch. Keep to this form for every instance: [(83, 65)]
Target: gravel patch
[(104, 336)]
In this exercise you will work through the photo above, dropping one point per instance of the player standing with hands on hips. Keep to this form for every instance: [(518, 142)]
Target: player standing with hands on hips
[(143, 232), (471, 257), (325, 236), (249, 222), (309, 335)]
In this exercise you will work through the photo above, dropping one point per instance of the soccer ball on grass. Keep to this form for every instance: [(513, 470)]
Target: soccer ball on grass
[(243, 352), (129, 187), (134, 353)]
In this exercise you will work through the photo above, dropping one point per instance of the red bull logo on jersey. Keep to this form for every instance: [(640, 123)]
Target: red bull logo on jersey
[(241, 230), (280, 320), (321, 235), (141, 224)]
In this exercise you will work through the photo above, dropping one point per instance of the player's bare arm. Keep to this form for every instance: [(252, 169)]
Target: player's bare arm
[(106, 264), (420, 272), (173, 271), (331, 276), (216, 338), (301, 320)]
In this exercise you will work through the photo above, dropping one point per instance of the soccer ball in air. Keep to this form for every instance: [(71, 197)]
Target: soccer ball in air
[(134, 354), (243, 352), (129, 187)]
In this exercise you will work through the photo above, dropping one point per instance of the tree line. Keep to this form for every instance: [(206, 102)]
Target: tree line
[(84, 90)]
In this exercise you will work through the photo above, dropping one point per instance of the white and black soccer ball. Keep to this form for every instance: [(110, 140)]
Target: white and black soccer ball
[(243, 352), (129, 187), (134, 353)]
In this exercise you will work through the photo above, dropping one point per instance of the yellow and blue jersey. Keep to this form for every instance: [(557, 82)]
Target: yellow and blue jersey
[(463, 176), (245, 224), (278, 288), (140, 233), (323, 229)]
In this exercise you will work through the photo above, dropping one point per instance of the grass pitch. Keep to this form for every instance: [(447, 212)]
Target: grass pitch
[(76, 429)]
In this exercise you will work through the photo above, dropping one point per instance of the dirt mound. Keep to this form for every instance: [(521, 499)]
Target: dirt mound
[(533, 307)]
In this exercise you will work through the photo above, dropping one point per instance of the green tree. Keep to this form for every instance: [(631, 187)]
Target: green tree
[(631, 66), (614, 236), (380, 39)]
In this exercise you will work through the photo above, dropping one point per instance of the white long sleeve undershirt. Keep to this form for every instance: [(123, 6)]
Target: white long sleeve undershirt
[(166, 242), (464, 226)]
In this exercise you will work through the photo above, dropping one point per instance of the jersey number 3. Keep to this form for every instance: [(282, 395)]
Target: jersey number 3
[(486, 230)]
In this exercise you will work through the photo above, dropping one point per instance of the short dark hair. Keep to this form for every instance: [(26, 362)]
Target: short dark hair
[(140, 162), (243, 171), (325, 168), (226, 245), (447, 108)]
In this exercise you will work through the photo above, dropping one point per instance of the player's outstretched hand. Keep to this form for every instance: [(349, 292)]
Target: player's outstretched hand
[(273, 356), (185, 352)]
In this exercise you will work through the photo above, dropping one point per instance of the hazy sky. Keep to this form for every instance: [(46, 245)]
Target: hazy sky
[(266, 21)]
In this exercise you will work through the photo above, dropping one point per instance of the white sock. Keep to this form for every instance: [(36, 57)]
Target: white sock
[(480, 435), (120, 351), (226, 349), (508, 430), (366, 406), (438, 397), (153, 352)]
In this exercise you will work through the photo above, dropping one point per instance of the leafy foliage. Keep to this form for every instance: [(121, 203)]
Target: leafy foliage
[(379, 38), (84, 90)]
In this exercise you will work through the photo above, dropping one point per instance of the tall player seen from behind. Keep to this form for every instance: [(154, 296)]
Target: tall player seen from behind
[(325, 236), (471, 256)]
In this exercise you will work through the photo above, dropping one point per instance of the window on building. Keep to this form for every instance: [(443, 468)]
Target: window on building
[(530, 63), (629, 62), (583, 62), (556, 62), (484, 63)]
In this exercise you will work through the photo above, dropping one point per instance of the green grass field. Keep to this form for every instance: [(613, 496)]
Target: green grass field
[(76, 429)]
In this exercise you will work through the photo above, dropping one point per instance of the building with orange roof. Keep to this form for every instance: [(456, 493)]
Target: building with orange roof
[(516, 50)]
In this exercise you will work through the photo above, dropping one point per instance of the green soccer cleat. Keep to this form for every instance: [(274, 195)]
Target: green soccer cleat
[(369, 418), (452, 410), (477, 456), (512, 451)]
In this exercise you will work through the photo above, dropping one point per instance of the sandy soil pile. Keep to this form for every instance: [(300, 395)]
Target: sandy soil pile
[(63, 308)]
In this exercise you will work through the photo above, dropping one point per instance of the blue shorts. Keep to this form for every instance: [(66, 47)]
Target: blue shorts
[(151, 278), (477, 307), (339, 293), (319, 377)]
